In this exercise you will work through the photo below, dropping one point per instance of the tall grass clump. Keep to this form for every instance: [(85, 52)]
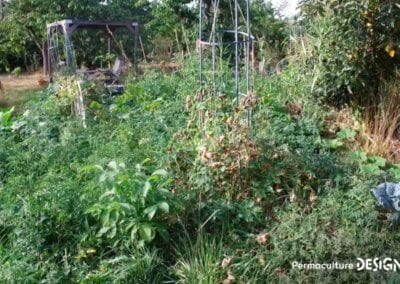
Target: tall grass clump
[(381, 122), (199, 261)]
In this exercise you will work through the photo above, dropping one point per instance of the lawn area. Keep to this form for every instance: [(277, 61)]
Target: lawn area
[(19, 90)]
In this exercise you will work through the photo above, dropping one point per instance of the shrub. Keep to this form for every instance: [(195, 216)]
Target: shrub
[(355, 47)]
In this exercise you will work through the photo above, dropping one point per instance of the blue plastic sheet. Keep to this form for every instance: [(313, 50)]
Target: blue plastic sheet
[(388, 197)]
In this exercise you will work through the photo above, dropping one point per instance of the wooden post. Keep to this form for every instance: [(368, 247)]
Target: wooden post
[(135, 45)]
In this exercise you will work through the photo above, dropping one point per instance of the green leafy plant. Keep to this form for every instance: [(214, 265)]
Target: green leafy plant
[(17, 71), (343, 136), (373, 165), (6, 119), (131, 208)]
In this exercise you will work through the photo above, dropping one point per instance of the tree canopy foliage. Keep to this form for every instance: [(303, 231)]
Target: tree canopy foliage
[(23, 31)]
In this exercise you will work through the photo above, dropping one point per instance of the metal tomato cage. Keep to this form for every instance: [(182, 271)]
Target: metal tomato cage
[(59, 35), (242, 44), (237, 39)]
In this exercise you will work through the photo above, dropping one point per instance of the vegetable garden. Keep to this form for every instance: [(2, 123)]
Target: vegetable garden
[(178, 181)]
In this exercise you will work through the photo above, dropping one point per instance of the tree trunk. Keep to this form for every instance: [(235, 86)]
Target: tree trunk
[(42, 45), (45, 60)]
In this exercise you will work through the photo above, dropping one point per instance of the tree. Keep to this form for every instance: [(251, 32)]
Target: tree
[(266, 27), (171, 20), (12, 45), (29, 17)]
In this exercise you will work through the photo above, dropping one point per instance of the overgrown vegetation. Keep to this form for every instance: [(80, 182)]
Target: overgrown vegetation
[(167, 183)]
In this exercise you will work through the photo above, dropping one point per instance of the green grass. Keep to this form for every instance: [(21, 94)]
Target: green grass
[(199, 261), (17, 99)]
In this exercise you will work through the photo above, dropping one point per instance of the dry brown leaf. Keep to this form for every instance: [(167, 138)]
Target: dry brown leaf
[(280, 271), (313, 197), (226, 262), (263, 238)]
